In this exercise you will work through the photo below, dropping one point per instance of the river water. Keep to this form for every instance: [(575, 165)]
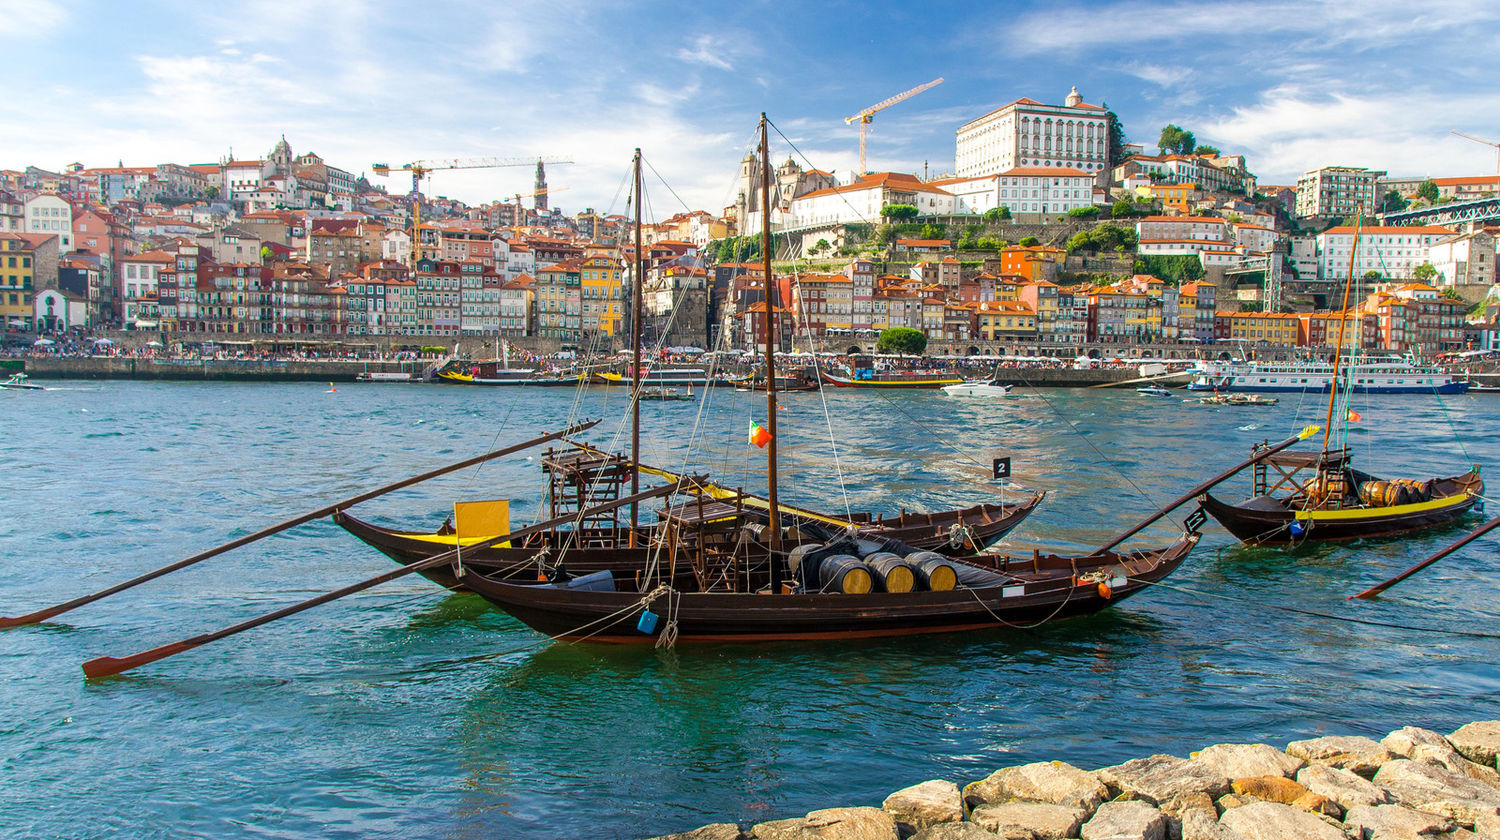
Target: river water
[(407, 711)]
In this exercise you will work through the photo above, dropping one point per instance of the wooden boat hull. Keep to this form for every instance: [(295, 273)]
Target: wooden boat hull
[(612, 617), (1269, 521), (981, 526), (917, 384)]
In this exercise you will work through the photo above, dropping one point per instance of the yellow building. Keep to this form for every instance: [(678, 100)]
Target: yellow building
[(1000, 320), (602, 293), (1270, 327), (1179, 197), (17, 272)]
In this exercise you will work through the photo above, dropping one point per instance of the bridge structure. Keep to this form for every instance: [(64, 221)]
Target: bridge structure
[(1448, 215)]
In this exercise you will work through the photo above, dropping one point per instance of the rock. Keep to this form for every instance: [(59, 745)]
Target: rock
[(717, 831), (1394, 822), (1185, 802), (1238, 761), (964, 831), (1044, 821), (1436, 789), (1479, 742), (1125, 821), (1316, 803), (1269, 788), (1354, 753), (1198, 825), (1233, 800), (1274, 821), (928, 803), (1161, 777), (831, 824), (1052, 782), (1343, 787), (1405, 740), (1429, 747)]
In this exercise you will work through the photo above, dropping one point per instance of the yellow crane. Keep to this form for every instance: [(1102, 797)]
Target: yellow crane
[(420, 169), (1485, 142), (867, 116)]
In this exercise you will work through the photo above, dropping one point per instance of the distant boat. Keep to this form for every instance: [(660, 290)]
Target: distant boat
[(656, 376), (18, 382), (1238, 399), (1365, 376), (382, 376), (978, 388), (870, 380), (1153, 391)]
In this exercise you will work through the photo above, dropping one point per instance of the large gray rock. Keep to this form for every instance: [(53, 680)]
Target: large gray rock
[(717, 831), (1404, 741), (1125, 821), (1053, 782), (928, 803), (1274, 821), (831, 824), (1342, 786), (1354, 753), (1238, 761), (1429, 747), (1161, 777), (1203, 825), (1433, 788), (1045, 822), (964, 831), (1394, 822), (1478, 742)]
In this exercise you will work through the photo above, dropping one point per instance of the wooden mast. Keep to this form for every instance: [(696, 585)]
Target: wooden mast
[(637, 278), (770, 335), (1338, 351)]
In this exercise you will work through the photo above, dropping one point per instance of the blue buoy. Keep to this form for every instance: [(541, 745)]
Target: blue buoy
[(647, 624)]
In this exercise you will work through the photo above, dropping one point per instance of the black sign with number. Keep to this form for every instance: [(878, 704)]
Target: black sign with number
[(1002, 467)]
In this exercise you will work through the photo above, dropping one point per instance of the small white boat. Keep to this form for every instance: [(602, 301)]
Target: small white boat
[(978, 388), (18, 382), (1153, 391)]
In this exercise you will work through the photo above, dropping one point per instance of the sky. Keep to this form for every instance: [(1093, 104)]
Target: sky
[(1291, 85)]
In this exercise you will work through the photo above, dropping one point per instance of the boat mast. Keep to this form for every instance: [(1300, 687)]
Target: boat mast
[(1338, 351), (637, 278), (770, 335)]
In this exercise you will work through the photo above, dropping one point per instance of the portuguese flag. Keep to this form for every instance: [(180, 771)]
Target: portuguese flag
[(758, 435)]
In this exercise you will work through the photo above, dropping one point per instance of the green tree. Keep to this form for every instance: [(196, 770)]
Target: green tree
[(898, 212), (211, 193), (1029, 241), (1176, 139), (1114, 150), (903, 340), (1424, 272), (930, 231), (1122, 210), (1084, 212), (997, 214), (1392, 202), (1207, 150), (1372, 275), (822, 246), (1428, 190)]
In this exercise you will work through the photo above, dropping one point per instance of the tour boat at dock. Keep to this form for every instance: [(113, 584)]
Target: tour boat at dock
[(1369, 376)]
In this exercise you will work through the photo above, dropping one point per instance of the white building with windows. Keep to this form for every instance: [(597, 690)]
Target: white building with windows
[(1338, 191), (1466, 259), (1027, 134), (53, 216), (1391, 251), (861, 201), (1022, 190)]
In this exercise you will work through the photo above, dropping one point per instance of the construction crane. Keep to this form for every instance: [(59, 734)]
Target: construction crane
[(420, 169), (867, 116), (1485, 142), (519, 196)]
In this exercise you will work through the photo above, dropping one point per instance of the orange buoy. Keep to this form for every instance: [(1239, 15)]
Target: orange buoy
[(1105, 592)]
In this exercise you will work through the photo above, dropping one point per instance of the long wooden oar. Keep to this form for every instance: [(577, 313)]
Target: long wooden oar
[(49, 612), (1207, 485), (1444, 552), (105, 666)]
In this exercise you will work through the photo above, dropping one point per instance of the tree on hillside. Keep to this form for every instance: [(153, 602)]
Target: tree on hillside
[(1392, 202), (1029, 241), (1115, 149), (1428, 190), (903, 340), (1207, 150), (1176, 139), (1424, 272), (1372, 275), (997, 214), (1122, 209), (898, 212)]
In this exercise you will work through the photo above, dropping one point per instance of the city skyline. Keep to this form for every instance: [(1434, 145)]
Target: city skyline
[(1292, 86)]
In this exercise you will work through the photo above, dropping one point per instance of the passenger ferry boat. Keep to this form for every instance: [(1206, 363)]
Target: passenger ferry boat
[(1367, 376)]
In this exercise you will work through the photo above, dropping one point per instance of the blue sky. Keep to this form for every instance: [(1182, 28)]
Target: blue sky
[(1292, 85)]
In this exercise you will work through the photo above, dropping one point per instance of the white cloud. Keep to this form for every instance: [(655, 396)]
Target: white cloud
[(31, 19), (1158, 74), (707, 50)]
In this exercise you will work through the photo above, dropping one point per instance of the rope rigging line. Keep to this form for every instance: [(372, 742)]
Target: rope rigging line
[(1111, 464)]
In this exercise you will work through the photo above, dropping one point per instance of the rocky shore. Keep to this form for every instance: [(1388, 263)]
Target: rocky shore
[(1413, 784)]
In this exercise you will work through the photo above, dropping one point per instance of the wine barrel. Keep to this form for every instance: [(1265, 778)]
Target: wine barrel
[(892, 573), (934, 571), (845, 573), (795, 557)]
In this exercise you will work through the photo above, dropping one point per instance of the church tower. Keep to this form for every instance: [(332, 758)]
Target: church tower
[(1073, 99), (539, 196), (281, 157)]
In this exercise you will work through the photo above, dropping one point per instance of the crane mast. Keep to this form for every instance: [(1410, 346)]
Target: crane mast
[(867, 116), (1485, 142)]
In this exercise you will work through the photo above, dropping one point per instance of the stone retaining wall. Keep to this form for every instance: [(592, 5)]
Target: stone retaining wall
[(1414, 784)]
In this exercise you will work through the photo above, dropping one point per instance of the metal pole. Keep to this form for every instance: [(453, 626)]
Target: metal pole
[(770, 333)]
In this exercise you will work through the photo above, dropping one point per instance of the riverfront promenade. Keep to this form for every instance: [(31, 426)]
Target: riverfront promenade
[(1413, 784)]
